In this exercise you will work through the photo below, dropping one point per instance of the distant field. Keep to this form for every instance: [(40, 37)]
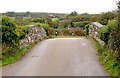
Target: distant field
[(54, 19)]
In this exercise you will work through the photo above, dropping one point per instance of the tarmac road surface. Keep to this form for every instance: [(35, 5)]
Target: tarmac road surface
[(58, 57)]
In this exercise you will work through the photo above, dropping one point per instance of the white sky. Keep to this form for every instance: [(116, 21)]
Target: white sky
[(58, 6)]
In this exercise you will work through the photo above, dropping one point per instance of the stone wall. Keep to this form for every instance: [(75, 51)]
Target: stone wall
[(94, 29), (35, 34)]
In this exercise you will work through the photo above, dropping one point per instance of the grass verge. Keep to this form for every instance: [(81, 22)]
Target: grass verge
[(109, 63), (15, 55), (12, 55)]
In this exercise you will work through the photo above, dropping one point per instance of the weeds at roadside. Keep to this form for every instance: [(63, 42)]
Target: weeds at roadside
[(12, 55), (110, 65)]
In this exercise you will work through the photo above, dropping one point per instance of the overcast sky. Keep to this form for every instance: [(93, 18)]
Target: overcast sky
[(58, 6)]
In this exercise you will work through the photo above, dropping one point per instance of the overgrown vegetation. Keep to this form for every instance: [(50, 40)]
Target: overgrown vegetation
[(106, 30), (11, 54), (11, 36), (11, 33), (14, 29), (110, 53), (107, 60)]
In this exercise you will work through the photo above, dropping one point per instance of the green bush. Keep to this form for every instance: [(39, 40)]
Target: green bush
[(9, 35), (104, 34), (109, 53), (45, 26), (54, 24), (64, 23), (38, 20), (106, 30), (22, 31), (80, 24)]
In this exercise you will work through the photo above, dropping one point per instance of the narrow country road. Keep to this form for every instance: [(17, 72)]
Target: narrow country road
[(58, 57)]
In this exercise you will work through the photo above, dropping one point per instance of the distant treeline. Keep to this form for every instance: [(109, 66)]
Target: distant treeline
[(33, 14)]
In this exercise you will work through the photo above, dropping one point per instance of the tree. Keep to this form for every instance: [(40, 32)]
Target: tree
[(73, 13)]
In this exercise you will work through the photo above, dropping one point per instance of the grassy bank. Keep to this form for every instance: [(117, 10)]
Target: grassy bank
[(13, 55), (109, 63)]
